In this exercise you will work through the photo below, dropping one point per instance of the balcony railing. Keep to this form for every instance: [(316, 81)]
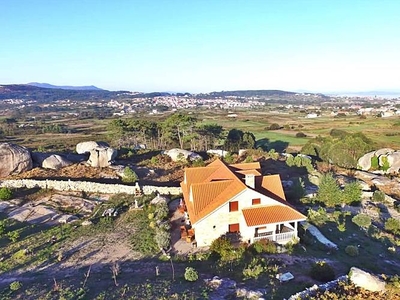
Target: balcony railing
[(279, 237)]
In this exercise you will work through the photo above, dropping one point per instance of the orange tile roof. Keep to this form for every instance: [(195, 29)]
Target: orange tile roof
[(215, 184), (271, 214), (246, 166), (219, 184), (249, 172), (273, 184)]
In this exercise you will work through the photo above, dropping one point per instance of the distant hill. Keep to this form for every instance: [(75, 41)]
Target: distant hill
[(65, 87), (40, 94), (251, 93)]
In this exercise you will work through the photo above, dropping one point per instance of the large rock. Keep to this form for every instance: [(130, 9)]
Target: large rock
[(14, 159), (177, 154), (86, 147), (384, 155), (102, 156), (55, 162), (394, 162), (364, 163), (366, 280)]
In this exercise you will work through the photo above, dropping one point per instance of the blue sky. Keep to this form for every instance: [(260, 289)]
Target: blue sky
[(202, 45)]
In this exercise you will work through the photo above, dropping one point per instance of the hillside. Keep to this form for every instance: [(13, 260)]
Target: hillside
[(65, 87), (41, 94)]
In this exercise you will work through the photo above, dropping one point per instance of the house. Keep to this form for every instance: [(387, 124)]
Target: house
[(222, 198)]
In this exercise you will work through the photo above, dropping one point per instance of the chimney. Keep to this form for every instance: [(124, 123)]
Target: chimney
[(250, 180)]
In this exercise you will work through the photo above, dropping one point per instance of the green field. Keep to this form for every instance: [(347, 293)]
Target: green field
[(384, 132)]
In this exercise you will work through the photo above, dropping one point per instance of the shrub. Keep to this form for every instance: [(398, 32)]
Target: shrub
[(223, 247), (161, 211), (351, 250), (255, 268), (191, 274), (264, 246), (318, 217), (374, 163), (393, 225), (13, 236), (362, 220), (352, 193), (385, 164), (129, 176), (5, 193), (378, 196), (322, 271), (274, 126), (162, 238), (198, 163), (15, 286), (301, 135), (2, 227)]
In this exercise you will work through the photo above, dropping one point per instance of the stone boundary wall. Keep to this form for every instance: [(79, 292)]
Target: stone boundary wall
[(322, 287), (90, 187)]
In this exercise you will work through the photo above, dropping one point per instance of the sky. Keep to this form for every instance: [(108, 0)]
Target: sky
[(202, 45)]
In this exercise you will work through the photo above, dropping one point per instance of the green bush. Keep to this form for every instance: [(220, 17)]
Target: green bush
[(255, 268), (129, 176), (264, 246), (191, 274), (378, 196), (3, 227), (374, 163), (162, 238), (5, 193), (362, 220), (13, 236), (317, 217), (393, 225), (351, 250), (300, 135), (15, 286), (198, 163), (223, 247), (385, 164), (161, 211), (322, 271), (274, 126)]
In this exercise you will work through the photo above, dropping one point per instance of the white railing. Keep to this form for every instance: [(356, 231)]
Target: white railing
[(279, 237)]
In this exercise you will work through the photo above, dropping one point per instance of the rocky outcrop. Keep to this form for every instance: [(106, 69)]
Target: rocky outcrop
[(55, 162), (177, 154), (384, 161), (14, 159), (86, 147), (102, 156), (366, 280)]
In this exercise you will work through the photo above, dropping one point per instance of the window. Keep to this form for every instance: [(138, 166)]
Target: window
[(256, 201), (234, 227), (233, 206)]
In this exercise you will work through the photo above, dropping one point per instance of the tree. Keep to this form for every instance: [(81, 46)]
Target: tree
[(180, 127), (329, 191), (233, 140), (352, 193), (248, 140), (209, 134)]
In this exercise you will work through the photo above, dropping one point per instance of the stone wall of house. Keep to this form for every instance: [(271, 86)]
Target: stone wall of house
[(89, 187)]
